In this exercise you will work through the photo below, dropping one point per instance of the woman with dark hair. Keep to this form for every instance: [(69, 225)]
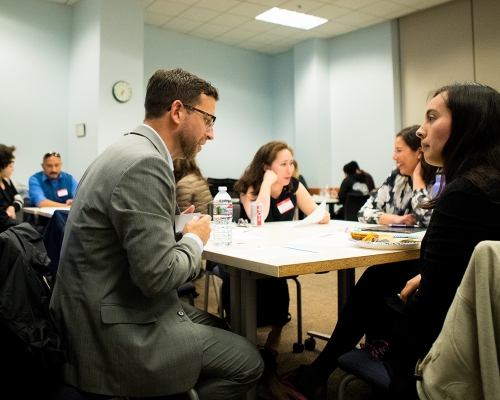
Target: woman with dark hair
[(269, 180), (408, 186), (10, 201), (461, 134), (192, 187)]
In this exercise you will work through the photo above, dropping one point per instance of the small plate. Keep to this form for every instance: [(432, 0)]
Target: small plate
[(385, 245)]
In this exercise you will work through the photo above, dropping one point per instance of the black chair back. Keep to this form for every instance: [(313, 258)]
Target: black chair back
[(214, 183), (353, 204)]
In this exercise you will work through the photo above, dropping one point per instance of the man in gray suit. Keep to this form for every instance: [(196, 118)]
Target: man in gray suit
[(115, 298)]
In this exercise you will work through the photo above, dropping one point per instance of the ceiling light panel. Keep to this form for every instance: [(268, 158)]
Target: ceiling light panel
[(290, 18)]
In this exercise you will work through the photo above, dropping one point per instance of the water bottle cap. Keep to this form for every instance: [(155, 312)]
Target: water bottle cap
[(222, 188)]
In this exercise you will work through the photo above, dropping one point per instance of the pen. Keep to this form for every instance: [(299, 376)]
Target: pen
[(398, 225)]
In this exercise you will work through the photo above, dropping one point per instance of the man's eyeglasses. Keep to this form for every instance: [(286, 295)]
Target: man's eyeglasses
[(51, 154), (210, 123)]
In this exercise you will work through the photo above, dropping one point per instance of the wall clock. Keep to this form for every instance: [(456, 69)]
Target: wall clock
[(122, 91)]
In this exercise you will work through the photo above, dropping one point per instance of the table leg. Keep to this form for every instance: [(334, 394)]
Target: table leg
[(248, 306), (236, 303), (345, 284), (244, 311)]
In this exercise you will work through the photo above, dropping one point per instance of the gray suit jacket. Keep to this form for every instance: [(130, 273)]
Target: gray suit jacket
[(115, 298)]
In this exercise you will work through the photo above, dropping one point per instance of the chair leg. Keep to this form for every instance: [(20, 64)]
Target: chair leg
[(299, 346), (344, 381), (192, 394)]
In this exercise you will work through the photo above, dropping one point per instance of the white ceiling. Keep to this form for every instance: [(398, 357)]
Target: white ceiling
[(232, 21)]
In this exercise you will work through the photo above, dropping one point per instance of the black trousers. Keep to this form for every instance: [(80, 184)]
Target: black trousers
[(372, 309)]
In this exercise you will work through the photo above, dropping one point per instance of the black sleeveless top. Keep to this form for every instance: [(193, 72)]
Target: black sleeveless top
[(274, 213)]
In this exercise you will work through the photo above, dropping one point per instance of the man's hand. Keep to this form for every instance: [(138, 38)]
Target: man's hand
[(11, 212), (200, 226), (411, 286), (189, 210), (69, 202)]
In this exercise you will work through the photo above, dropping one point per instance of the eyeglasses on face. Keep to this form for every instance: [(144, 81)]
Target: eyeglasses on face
[(51, 154), (210, 123)]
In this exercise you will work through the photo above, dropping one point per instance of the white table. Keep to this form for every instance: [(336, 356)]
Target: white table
[(265, 251), (44, 211)]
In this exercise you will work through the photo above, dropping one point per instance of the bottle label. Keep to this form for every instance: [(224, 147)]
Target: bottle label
[(223, 210)]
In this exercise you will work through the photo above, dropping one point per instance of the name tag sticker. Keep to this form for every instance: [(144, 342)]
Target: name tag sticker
[(285, 205), (62, 192)]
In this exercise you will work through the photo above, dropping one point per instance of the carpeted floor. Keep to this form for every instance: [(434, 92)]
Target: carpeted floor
[(319, 313)]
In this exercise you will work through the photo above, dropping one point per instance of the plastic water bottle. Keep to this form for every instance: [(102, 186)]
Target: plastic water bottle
[(223, 217)]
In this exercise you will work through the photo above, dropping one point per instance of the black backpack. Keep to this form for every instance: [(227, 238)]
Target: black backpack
[(31, 350)]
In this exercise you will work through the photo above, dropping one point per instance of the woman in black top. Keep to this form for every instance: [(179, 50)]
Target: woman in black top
[(461, 134), (10, 201), (269, 180)]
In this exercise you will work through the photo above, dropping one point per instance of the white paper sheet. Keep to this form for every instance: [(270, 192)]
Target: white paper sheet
[(181, 219), (266, 252), (313, 218), (338, 239)]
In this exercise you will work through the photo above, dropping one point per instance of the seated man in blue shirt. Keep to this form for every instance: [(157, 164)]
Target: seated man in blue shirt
[(52, 187)]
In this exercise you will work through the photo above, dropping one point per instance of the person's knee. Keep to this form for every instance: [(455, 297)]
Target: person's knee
[(254, 366)]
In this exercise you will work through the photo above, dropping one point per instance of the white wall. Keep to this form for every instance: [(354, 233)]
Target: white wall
[(34, 67), (245, 109), (364, 108), (355, 117)]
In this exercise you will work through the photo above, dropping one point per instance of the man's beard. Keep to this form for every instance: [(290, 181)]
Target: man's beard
[(188, 145)]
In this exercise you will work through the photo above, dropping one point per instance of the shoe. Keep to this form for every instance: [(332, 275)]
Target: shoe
[(307, 381), (269, 357)]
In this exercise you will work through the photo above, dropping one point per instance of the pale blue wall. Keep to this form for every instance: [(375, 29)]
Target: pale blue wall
[(259, 93), (245, 109), (365, 110), (282, 80), (35, 39)]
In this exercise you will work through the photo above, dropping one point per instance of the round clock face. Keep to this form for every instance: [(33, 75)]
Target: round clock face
[(122, 91)]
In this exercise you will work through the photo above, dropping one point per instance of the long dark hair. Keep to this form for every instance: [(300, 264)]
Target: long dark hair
[(254, 173), (473, 148), (409, 136), (6, 155), (184, 167)]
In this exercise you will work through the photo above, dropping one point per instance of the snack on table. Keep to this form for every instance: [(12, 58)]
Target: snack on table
[(358, 235), (375, 237), (371, 237)]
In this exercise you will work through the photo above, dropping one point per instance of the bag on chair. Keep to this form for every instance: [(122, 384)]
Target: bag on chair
[(32, 349)]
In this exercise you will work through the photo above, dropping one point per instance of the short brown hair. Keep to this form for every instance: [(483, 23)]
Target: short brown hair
[(164, 87), (6, 155)]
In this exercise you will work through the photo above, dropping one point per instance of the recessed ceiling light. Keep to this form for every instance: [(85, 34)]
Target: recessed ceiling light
[(290, 18)]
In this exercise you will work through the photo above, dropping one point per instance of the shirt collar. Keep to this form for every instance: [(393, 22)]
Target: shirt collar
[(169, 157), (46, 178)]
